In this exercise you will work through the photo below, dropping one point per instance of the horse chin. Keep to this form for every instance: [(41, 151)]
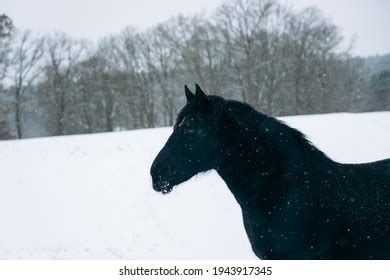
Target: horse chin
[(167, 189), (163, 187)]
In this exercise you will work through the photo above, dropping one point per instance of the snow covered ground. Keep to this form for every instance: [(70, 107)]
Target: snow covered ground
[(90, 196)]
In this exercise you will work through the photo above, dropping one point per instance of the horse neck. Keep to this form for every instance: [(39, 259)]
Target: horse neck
[(256, 150)]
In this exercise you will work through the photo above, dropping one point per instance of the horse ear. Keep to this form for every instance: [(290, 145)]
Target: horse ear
[(189, 95), (199, 94)]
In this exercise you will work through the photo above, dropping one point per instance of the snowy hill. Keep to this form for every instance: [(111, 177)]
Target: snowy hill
[(90, 197)]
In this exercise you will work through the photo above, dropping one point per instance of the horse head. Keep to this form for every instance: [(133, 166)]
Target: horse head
[(194, 145)]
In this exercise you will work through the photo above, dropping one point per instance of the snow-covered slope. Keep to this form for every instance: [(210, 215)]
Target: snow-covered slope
[(90, 197)]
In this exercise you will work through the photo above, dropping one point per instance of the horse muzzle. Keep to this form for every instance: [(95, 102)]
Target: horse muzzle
[(162, 186)]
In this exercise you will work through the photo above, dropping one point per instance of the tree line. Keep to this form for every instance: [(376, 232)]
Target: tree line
[(281, 61)]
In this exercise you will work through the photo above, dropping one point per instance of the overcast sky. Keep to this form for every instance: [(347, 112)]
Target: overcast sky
[(368, 20)]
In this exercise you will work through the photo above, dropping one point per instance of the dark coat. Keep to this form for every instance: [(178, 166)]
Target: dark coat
[(296, 202)]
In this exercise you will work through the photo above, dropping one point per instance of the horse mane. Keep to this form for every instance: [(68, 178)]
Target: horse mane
[(289, 141)]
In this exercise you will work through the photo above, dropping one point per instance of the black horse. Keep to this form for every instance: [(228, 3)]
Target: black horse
[(296, 202)]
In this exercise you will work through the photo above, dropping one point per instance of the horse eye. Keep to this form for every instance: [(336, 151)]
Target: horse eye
[(189, 131)]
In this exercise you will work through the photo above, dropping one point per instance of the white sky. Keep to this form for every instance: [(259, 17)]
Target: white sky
[(368, 20)]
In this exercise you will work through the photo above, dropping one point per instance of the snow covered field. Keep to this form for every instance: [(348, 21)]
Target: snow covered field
[(90, 196)]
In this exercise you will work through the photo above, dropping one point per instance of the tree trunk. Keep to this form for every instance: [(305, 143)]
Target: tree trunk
[(17, 114)]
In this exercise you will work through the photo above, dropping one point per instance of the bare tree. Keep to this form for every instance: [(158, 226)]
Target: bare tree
[(312, 41), (6, 29), (129, 58), (27, 56), (97, 98), (63, 54), (248, 28), (6, 32)]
